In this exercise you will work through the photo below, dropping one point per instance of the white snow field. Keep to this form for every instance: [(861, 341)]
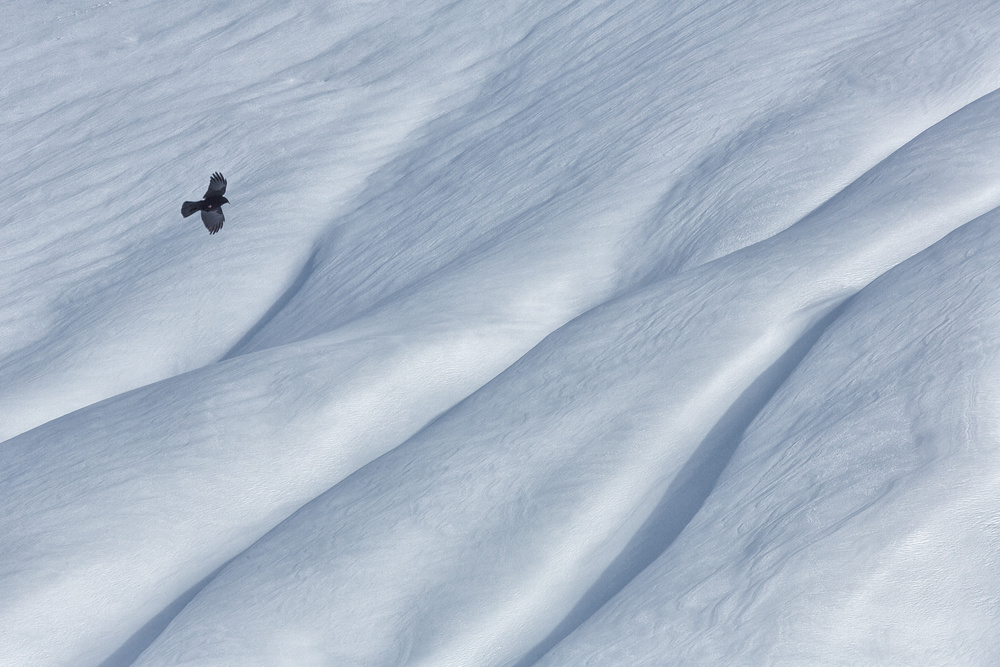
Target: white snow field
[(577, 332)]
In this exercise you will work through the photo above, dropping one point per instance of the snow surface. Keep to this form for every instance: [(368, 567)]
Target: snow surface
[(566, 333)]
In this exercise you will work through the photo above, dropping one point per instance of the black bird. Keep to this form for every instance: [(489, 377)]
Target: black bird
[(211, 205)]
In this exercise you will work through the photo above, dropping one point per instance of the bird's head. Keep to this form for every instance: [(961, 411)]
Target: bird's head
[(225, 201)]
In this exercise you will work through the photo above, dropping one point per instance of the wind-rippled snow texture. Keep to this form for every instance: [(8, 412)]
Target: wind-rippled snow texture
[(501, 289)]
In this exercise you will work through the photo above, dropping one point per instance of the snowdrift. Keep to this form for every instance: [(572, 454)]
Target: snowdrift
[(583, 333)]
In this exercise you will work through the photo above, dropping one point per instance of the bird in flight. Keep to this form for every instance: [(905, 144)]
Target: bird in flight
[(211, 205)]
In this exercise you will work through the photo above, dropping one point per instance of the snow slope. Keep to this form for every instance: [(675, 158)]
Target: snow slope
[(562, 333), (856, 522)]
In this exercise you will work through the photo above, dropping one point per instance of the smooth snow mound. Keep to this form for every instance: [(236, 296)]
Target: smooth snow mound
[(592, 332)]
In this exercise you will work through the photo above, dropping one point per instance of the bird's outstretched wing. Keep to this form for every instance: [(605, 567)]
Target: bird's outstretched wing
[(213, 220), (216, 186)]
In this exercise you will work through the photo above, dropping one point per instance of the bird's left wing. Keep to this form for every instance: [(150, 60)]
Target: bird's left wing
[(216, 186)]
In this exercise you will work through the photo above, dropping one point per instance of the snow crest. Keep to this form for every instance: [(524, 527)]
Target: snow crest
[(562, 334)]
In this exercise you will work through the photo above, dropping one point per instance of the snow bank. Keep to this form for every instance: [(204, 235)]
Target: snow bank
[(857, 520), (501, 287), (544, 491)]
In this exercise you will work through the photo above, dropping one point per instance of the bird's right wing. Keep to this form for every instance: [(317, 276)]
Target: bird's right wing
[(213, 220), (217, 185)]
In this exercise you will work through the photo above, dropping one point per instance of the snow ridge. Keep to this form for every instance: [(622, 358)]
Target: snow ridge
[(577, 333)]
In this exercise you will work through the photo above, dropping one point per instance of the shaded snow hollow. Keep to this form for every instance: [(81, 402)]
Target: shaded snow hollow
[(563, 333)]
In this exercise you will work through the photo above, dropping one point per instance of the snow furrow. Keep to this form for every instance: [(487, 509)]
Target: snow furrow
[(856, 522)]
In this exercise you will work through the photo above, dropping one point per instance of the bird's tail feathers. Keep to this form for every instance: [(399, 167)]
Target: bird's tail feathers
[(189, 207)]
